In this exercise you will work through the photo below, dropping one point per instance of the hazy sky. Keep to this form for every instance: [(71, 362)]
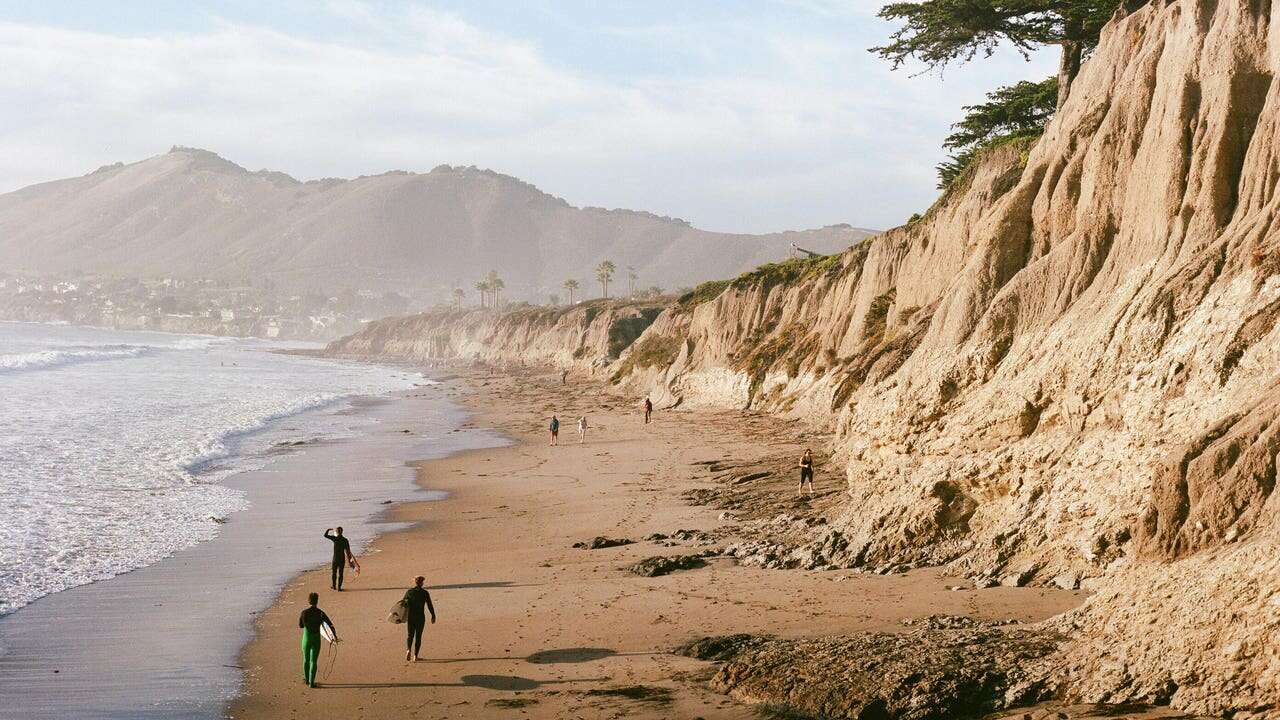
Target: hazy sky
[(740, 116)]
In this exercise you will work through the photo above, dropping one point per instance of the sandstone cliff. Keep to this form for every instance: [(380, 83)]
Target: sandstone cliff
[(1067, 372), (585, 337)]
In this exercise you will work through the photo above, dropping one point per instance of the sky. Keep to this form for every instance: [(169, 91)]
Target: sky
[(744, 116)]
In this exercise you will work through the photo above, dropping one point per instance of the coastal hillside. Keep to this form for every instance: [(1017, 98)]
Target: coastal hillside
[(1067, 372), (192, 214), (585, 337)]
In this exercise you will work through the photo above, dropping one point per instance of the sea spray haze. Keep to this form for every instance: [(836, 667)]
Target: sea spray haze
[(112, 443)]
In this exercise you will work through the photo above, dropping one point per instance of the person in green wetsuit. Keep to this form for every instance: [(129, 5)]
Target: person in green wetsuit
[(310, 621), (415, 617)]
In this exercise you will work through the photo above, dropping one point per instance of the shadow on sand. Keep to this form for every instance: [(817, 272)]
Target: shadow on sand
[(486, 682), (455, 586)]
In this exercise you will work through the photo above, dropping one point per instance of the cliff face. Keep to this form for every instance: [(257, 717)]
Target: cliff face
[(1067, 372), (585, 337)]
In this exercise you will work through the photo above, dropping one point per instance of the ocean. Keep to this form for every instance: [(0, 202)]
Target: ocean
[(159, 489), (112, 443)]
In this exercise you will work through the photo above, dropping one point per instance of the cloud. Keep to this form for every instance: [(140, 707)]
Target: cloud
[(756, 130)]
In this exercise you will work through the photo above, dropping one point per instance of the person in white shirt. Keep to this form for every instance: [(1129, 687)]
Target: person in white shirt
[(582, 429)]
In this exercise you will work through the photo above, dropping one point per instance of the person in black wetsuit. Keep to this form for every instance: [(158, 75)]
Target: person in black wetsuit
[(341, 556), (806, 472), (310, 621), (415, 618)]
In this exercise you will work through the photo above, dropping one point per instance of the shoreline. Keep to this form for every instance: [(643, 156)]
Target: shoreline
[(529, 624), (133, 652)]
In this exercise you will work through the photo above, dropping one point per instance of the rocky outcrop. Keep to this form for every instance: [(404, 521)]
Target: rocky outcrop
[(659, 565), (585, 337), (1067, 371), (932, 673)]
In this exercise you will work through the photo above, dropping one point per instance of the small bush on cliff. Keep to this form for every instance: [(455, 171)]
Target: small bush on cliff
[(652, 351), (792, 346), (624, 331), (878, 315)]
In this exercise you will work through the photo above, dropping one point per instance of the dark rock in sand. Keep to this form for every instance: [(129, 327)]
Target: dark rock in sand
[(928, 674), (666, 564), (642, 693), (720, 648), (601, 541)]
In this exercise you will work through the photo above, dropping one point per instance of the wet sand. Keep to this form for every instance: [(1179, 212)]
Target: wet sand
[(532, 627)]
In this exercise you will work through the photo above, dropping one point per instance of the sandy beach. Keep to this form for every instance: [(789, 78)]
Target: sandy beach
[(530, 626)]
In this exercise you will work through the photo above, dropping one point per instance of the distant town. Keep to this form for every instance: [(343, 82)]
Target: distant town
[(199, 306)]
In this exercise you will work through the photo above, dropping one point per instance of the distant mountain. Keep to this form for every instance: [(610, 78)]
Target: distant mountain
[(191, 213)]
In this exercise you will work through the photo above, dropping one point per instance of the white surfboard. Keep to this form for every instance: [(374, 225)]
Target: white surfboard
[(326, 633), (398, 613)]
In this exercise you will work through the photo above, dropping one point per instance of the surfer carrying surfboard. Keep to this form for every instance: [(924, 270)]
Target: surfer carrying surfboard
[(415, 598), (311, 620), (341, 556)]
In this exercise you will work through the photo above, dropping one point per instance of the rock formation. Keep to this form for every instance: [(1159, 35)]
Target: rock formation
[(585, 337), (1068, 371)]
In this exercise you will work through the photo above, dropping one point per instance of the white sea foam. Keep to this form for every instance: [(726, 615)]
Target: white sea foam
[(110, 466), (53, 358)]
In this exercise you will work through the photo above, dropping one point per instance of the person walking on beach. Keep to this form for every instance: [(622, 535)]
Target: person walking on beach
[(555, 430), (582, 429), (806, 472), (648, 410), (415, 617), (341, 556), (310, 621)]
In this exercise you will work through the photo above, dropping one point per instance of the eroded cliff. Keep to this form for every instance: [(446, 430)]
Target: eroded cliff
[(585, 337), (1068, 371)]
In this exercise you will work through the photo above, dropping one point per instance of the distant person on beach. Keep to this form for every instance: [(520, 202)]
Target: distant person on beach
[(648, 410), (582, 429), (310, 621), (806, 472), (415, 617), (341, 556), (555, 430)]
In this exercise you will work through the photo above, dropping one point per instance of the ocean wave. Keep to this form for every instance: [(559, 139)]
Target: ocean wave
[(46, 359)]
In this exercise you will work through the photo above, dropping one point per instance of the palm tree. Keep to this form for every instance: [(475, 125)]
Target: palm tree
[(458, 295), (495, 285), (604, 273), (498, 287), (572, 286), (482, 287), (631, 281)]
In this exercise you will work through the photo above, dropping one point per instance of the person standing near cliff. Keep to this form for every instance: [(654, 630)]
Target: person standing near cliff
[(310, 621), (415, 618), (555, 430), (648, 409), (582, 429), (341, 556), (806, 472)]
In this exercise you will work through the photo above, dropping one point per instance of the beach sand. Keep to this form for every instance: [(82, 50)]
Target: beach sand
[(529, 626)]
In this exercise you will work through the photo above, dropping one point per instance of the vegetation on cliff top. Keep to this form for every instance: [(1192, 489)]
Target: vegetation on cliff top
[(768, 275)]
